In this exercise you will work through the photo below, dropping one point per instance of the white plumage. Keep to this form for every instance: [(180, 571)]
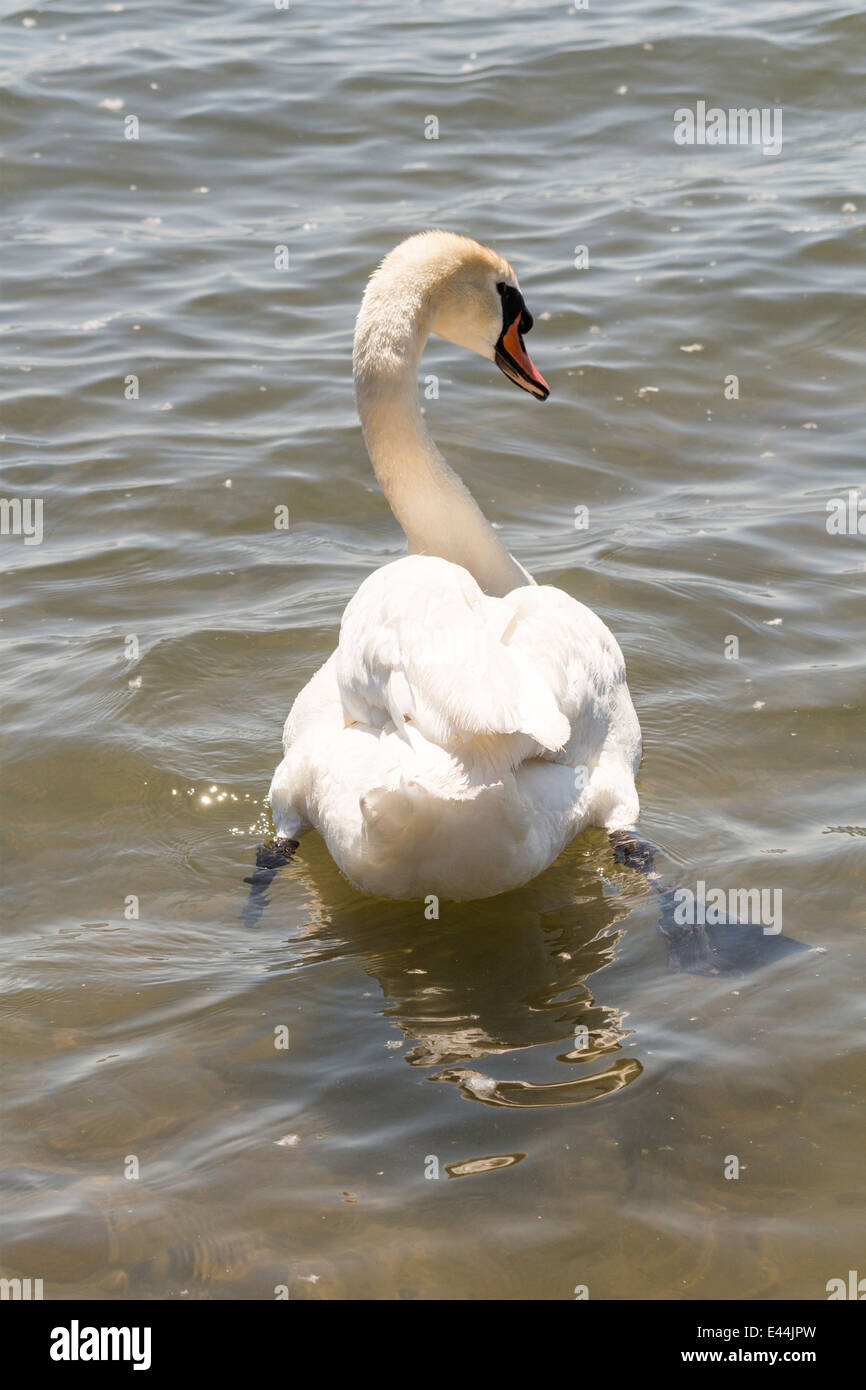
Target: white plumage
[(463, 732)]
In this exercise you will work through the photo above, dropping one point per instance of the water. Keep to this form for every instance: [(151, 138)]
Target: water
[(148, 1044)]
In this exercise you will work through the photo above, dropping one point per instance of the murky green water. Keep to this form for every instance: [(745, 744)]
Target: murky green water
[(148, 1044)]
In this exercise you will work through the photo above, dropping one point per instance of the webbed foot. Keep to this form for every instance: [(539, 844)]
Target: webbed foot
[(631, 851), (271, 856)]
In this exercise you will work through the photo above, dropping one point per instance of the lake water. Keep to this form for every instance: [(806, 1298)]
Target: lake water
[(158, 1139)]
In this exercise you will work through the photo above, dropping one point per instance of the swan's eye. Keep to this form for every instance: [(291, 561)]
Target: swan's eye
[(501, 287), (513, 308)]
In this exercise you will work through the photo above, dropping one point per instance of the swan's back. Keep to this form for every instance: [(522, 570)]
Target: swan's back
[(456, 742)]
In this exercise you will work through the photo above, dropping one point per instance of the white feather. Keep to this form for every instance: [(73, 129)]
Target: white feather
[(454, 743)]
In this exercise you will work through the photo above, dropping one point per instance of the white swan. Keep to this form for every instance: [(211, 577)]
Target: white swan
[(470, 722)]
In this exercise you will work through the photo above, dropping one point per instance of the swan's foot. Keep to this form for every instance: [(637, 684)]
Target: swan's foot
[(631, 851), (688, 947), (271, 856)]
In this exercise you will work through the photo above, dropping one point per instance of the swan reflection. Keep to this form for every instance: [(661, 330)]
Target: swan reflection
[(488, 979)]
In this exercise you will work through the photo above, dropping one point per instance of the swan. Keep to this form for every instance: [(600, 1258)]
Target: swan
[(471, 722)]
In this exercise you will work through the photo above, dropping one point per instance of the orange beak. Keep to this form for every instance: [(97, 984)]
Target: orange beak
[(513, 359)]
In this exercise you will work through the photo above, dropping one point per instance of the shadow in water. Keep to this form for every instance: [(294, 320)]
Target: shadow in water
[(724, 946), (490, 977)]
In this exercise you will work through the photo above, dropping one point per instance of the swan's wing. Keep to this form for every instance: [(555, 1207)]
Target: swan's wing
[(579, 660), (421, 644)]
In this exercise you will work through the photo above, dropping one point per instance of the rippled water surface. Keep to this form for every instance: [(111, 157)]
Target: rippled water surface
[(154, 640)]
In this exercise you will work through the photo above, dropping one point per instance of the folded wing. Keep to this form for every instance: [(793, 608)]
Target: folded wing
[(421, 645)]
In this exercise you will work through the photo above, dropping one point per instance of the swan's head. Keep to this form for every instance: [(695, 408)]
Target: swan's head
[(478, 305), (469, 295)]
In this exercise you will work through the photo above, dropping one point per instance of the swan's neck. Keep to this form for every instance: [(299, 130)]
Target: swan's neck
[(431, 503)]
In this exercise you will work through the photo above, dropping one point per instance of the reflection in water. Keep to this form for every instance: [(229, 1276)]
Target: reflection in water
[(488, 978), (496, 999), (482, 1165), (510, 973), (476, 1087)]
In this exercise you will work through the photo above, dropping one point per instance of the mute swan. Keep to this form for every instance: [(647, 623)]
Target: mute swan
[(470, 722)]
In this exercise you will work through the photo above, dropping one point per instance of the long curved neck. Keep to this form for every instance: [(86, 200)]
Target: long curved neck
[(431, 503)]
